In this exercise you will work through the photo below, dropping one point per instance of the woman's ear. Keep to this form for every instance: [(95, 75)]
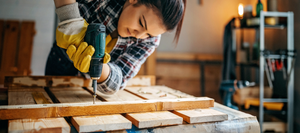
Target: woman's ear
[(133, 1)]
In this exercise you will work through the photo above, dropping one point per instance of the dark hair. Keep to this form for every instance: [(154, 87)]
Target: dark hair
[(171, 11)]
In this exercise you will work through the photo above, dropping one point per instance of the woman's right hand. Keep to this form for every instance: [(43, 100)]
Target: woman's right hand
[(71, 32)]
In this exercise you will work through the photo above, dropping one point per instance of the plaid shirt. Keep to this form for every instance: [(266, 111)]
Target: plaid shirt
[(128, 54)]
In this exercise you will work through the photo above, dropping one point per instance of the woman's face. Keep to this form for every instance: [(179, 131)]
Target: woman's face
[(139, 21)]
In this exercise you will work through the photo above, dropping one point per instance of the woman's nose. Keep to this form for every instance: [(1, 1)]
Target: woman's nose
[(140, 34)]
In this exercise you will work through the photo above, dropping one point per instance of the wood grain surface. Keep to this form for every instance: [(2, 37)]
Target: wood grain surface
[(121, 95), (27, 32), (142, 80), (201, 115), (154, 119), (9, 50), (157, 92), (100, 123), (47, 81), (24, 96), (49, 125), (72, 95), (80, 109)]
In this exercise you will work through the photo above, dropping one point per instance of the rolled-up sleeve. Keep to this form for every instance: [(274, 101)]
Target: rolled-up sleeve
[(128, 64)]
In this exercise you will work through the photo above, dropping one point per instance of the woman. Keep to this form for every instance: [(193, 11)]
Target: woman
[(133, 30)]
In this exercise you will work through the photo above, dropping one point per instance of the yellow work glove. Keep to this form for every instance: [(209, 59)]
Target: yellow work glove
[(82, 56), (71, 32)]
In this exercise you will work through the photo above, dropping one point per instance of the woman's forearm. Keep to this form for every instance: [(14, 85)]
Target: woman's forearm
[(105, 73), (60, 3)]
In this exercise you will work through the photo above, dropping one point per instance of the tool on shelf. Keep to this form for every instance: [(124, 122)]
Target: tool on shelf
[(229, 86), (95, 36), (276, 62)]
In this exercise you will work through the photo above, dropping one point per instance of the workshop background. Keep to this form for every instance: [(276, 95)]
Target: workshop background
[(201, 40)]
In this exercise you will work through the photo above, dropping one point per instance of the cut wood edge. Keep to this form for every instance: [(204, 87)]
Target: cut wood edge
[(142, 80), (100, 123), (44, 125), (47, 81), (80, 109), (201, 115), (154, 119)]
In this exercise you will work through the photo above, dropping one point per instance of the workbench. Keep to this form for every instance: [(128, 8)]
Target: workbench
[(64, 104)]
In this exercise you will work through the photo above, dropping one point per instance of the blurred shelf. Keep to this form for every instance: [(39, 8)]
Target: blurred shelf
[(279, 26)]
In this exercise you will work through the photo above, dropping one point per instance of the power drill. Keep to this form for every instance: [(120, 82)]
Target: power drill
[(228, 88), (95, 36)]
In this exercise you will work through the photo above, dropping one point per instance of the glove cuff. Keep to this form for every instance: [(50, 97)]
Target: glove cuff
[(67, 12)]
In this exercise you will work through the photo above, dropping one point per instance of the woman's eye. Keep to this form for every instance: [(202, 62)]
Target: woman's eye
[(141, 23)]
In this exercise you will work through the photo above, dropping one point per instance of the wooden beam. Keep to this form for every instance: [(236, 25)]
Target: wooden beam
[(80, 109), (142, 80), (72, 95), (47, 81), (25, 47), (100, 123), (49, 125), (9, 49), (121, 95), (189, 56), (150, 64), (36, 95), (24, 96), (157, 92), (201, 115), (88, 123), (2, 22), (105, 122), (154, 119), (190, 116)]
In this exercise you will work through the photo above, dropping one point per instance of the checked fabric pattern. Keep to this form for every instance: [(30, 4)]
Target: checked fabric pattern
[(128, 54)]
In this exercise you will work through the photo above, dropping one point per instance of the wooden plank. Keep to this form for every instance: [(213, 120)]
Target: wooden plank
[(2, 22), (49, 125), (40, 98), (157, 92), (25, 47), (142, 70), (142, 80), (154, 119), (89, 123), (121, 95), (201, 115), (150, 64), (72, 95), (80, 109), (47, 81), (10, 44), (189, 56), (24, 96), (249, 125), (100, 123), (243, 123), (19, 95), (191, 116)]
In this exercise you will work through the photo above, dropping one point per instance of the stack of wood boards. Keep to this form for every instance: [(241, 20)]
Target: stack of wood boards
[(163, 107), (16, 41)]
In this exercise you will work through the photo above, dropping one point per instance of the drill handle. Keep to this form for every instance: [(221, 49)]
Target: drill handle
[(95, 36)]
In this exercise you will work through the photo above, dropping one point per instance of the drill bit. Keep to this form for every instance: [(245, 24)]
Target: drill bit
[(95, 90)]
